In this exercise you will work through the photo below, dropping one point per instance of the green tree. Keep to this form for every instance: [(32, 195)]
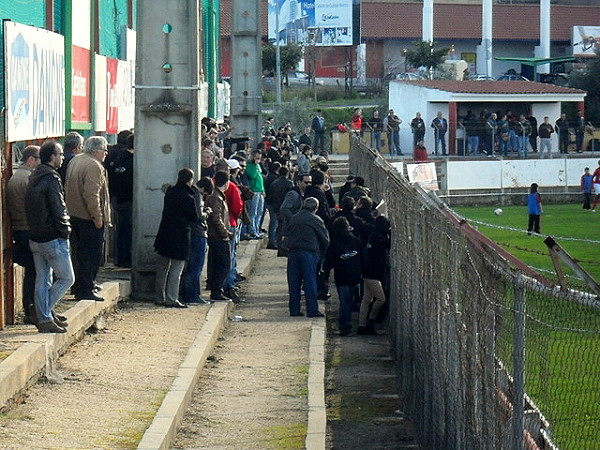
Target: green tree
[(589, 80), (291, 54), (426, 55)]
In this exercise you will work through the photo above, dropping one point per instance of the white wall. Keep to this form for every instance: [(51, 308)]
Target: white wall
[(516, 173)]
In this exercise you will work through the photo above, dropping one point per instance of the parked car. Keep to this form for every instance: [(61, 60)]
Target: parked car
[(511, 77), (409, 76), (300, 79), (479, 77)]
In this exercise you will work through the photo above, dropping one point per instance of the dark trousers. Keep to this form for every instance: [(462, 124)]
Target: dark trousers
[(218, 265), (87, 243), (124, 234), (563, 142), (534, 223), (587, 200), (23, 257), (302, 271), (318, 145), (346, 294)]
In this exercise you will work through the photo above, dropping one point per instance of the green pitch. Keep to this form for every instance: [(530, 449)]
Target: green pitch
[(559, 221)]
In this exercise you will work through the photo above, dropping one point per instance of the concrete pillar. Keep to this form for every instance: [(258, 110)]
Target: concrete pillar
[(452, 124), (168, 108), (428, 20), (246, 70), (484, 51), (543, 50)]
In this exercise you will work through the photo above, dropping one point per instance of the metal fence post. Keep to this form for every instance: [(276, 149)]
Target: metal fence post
[(519, 365)]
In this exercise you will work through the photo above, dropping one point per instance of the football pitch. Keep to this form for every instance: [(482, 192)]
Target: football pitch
[(576, 230)]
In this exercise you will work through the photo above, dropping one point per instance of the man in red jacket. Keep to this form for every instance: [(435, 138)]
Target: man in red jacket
[(233, 196)]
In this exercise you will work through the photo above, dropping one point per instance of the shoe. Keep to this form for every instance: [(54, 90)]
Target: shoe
[(175, 304), (233, 295), (61, 321), (346, 333), (245, 237), (271, 246), (50, 327), (317, 314), (91, 296), (97, 287), (33, 315), (28, 320), (240, 277), (297, 314), (219, 298), (324, 297), (256, 237)]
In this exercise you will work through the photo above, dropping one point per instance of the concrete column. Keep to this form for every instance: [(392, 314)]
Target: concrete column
[(543, 50), (428, 20), (484, 51), (246, 69), (168, 109), (452, 124)]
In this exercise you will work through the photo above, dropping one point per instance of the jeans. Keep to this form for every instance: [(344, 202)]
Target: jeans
[(440, 139), (233, 245), (168, 277), (124, 234), (473, 144), (257, 204), (23, 257), (522, 146), (51, 257), (87, 242), (219, 258), (376, 139), (394, 142), (190, 280), (302, 271), (346, 294), (318, 145), (272, 225)]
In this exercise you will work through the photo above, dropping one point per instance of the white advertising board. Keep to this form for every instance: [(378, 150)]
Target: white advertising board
[(100, 90), (322, 22), (125, 94), (34, 62), (585, 40)]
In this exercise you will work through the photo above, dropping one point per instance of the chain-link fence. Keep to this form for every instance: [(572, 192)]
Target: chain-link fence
[(489, 354)]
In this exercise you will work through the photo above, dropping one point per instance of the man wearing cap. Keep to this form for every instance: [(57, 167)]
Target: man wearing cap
[(15, 198)]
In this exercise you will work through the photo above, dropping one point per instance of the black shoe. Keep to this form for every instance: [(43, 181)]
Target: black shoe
[(33, 315), (50, 327), (318, 314), (324, 297), (233, 295), (219, 298), (271, 246), (90, 296), (240, 277), (366, 331), (97, 287), (296, 314), (346, 333), (198, 301), (175, 304), (61, 321)]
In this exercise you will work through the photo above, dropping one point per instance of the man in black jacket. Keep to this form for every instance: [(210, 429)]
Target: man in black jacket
[(49, 230), (307, 240), (276, 192)]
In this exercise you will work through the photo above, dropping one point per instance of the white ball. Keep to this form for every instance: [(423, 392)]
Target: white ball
[(498, 211)]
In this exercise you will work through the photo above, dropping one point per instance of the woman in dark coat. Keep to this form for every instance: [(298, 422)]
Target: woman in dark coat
[(173, 238), (373, 273)]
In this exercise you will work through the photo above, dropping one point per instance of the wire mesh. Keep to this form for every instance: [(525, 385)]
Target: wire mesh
[(488, 355)]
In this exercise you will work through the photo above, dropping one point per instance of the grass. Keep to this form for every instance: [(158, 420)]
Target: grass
[(559, 221), (562, 369)]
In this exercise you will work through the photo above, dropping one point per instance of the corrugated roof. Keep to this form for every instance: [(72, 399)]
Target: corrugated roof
[(385, 20), (493, 87)]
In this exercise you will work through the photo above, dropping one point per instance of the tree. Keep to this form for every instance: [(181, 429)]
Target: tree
[(425, 55), (589, 80), (291, 54)]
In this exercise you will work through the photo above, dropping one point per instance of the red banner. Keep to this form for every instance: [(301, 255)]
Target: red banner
[(112, 106), (80, 85)]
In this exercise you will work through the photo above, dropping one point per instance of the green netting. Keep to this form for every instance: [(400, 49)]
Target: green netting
[(112, 16)]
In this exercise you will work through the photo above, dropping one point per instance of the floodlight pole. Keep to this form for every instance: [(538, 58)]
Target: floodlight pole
[(277, 54)]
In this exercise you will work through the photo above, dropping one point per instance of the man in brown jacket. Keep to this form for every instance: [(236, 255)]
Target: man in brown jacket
[(218, 238), (15, 199), (86, 188)]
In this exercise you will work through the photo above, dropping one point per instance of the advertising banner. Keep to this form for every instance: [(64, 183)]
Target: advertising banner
[(125, 95), (585, 40), (313, 22), (80, 89), (112, 108), (100, 93), (34, 63)]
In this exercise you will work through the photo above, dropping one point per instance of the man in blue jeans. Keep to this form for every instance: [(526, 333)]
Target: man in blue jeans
[(49, 229), (306, 239)]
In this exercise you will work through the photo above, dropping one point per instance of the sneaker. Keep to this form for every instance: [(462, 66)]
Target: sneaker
[(233, 295), (197, 301), (219, 298)]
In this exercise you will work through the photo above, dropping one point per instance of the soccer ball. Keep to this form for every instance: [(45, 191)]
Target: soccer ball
[(498, 211)]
